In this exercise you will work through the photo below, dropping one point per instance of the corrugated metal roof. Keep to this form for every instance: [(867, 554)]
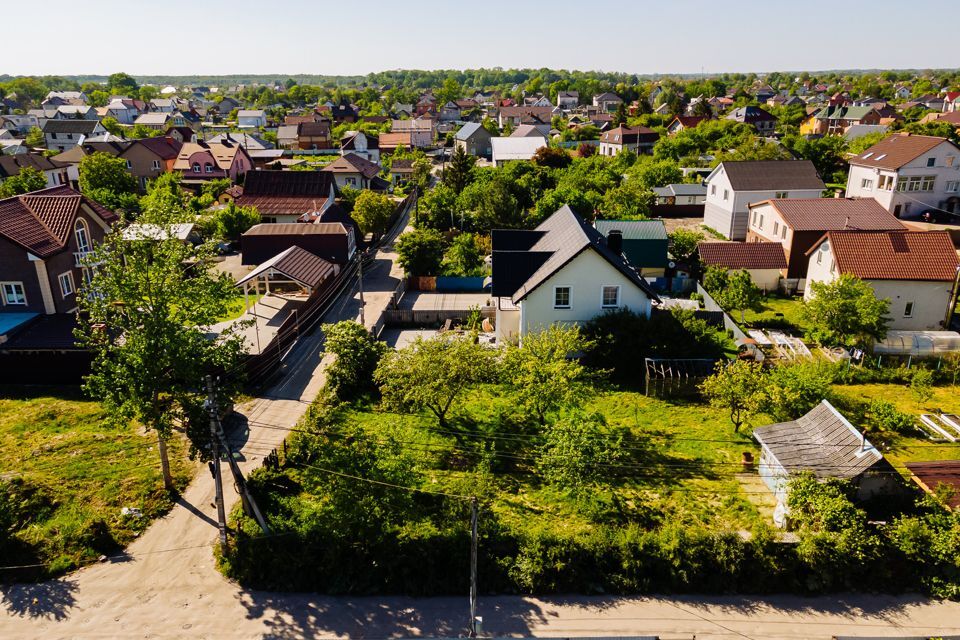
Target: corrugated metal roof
[(772, 175), (634, 229), (297, 264)]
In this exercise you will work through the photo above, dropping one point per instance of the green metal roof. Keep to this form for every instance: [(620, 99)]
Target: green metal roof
[(634, 229)]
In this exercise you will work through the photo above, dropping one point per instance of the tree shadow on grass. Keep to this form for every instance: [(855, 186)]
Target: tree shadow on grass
[(51, 600)]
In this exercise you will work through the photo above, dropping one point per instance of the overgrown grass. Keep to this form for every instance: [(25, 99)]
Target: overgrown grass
[(777, 313), (84, 471)]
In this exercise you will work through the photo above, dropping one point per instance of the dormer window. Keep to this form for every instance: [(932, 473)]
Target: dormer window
[(196, 167), (208, 167)]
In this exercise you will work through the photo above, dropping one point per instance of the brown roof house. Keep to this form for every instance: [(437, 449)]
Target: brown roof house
[(335, 242), (915, 270), (909, 175), (824, 443), (285, 196), (151, 157), (356, 172), (763, 121), (635, 139), (201, 161), (764, 261), (799, 223)]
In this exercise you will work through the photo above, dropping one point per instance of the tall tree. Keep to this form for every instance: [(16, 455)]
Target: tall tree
[(106, 179), (145, 318), (420, 252), (683, 243), (373, 211), (459, 173), (358, 354), (845, 312)]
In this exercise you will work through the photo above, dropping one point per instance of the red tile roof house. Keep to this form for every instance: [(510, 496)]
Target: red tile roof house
[(286, 196), (45, 239), (799, 223), (200, 161), (915, 270), (764, 261)]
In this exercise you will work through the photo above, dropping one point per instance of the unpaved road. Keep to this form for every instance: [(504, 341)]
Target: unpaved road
[(167, 587)]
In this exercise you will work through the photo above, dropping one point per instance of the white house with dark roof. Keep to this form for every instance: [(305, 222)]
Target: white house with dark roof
[(63, 135), (733, 186), (909, 175), (251, 118), (562, 272)]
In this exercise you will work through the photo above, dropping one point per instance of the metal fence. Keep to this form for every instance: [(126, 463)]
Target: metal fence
[(711, 305)]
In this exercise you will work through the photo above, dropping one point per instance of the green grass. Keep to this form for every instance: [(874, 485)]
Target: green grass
[(237, 306), (777, 312), (85, 470)]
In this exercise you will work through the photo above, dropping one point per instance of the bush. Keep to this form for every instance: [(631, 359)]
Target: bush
[(884, 416)]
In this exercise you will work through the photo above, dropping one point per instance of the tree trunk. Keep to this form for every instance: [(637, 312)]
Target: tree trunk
[(165, 463)]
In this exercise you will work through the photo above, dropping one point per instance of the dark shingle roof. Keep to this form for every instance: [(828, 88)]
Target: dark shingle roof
[(352, 163), (11, 165), (772, 175), (743, 255), (298, 264), (85, 127), (286, 192), (895, 255), (834, 214), (822, 441)]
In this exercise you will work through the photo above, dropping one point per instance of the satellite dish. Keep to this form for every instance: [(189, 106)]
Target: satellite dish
[(671, 264)]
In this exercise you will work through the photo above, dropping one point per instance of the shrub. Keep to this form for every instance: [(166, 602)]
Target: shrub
[(884, 416)]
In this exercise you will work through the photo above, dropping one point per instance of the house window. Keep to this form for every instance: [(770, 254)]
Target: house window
[(156, 165), (761, 222), (726, 195), (776, 228), (866, 184), (13, 293), (196, 167), (610, 297), (53, 136), (129, 165), (931, 162), (833, 266), (908, 310), (754, 218), (780, 195), (561, 297), (819, 257), (950, 161), (783, 232), (83, 236), (87, 275), (713, 189), (952, 186), (69, 136), (66, 283), (208, 167), (352, 182)]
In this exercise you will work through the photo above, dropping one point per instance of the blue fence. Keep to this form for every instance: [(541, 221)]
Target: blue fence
[(454, 283)]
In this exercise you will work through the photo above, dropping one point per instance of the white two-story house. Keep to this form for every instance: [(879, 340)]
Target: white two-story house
[(562, 272), (908, 175), (733, 186)]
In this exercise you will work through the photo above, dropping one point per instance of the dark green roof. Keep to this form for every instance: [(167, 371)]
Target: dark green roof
[(634, 229)]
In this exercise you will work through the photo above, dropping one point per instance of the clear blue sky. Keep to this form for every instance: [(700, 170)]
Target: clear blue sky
[(180, 37)]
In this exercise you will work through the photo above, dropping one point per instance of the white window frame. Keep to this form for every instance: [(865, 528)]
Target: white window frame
[(776, 228), (713, 189), (13, 285), (603, 294), (781, 195), (556, 290), (208, 167), (196, 167), (129, 165), (908, 309), (67, 287), (156, 165), (81, 233)]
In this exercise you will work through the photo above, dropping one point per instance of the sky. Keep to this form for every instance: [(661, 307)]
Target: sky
[(282, 37)]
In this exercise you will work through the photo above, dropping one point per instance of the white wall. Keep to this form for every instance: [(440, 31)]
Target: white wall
[(585, 275)]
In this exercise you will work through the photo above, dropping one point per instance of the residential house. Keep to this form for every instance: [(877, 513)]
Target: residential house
[(65, 97), (335, 242), (55, 172), (356, 172), (537, 101), (156, 120), (732, 186), (186, 118), (474, 140), (62, 135), (286, 196), (679, 123), (226, 106), (163, 105), (449, 112), (568, 100), (19, 125), (506, 149), (390, 142), (915, 270), (908, 175), (344, 112), (516, 116), (124, 111), (401, 171), (181, 134), (204, 161), (824, 443), (681, 194), (951, 101), (362, 144), (149, 158), (636, 139), (855, 131), (836, 120), (763, 121), (764, 261), (531, 131), (247, 141), (288, 136), (251, 118), (562, 272), (71, 158), (314, 135), (643, 243), (798, 223), (607, 102), (46, 238), (422, 131)]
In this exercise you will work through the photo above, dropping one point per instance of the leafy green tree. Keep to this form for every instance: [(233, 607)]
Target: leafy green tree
[(845, 312), (215, 188), (420, 252), (232, 221), (862, 143), (106, 179), (465, 256), (737, 387), (459, 172), (144, 318), (122, 84), (140, 131), (683, 243), (35, 138), (437, 208), (451, 90), (628, 201), (27, 180), (490, 204), (433, 374), (790, 391), (373, 212), (715, 280), (112, 126), (544, 375), (551, 157), (656, 173), (620, 117), (164, 192), (921, 385), (577, 452), (741, 293), (358, 354)]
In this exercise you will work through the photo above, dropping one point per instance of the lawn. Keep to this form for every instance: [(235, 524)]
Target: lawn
[(79, 473), (777, 313), (236, 306)]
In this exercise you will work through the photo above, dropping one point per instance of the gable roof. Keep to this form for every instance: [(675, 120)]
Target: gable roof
[(687, 122), (296, 263), (85, 127), (286, 192), (11, 165), (41, 221), (223, 153), (821, 441), (527, 131), (772, 175), (352, 163), (634, 229), (527, 258), (743, 255), (628, 135), (843, 113), (163, 146), (834, 214), (506, 148), (897, 150), (750, 114), (894, 255), (470, 129)]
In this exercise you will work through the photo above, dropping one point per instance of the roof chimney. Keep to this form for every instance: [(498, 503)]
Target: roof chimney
[(615, 241), (846, 223)]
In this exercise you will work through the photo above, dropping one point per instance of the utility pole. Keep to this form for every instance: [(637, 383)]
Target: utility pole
[(362, 321), (473, 567), (215, 463)]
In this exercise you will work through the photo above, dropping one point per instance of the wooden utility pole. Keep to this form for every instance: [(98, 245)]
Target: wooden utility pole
[(360, 263), (215, 463), (473, 567)]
